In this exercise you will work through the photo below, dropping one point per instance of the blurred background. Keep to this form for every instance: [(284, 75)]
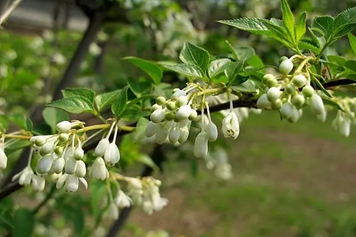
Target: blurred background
[(296, 180)]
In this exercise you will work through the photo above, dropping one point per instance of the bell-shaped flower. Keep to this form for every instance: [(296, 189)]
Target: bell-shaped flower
[(64, 126), (263, 102), (173, 135), (230, 125), (81, 169), (183, 112), (98, 170), (70, 166), (71, 182), (286, 66), (44, 164), (201, 145), (111, 212), (122, 200), (101, 147), (273, 94), (287, 110), (212, 131), (157, 115), (112, 154), (58, 165), (183, 135), (25, 176), (345, 126), (161, 135), (317, 104), (3, 159), (151, 129), (38, 183)]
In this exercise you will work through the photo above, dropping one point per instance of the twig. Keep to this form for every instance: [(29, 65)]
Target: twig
[(8, 11)]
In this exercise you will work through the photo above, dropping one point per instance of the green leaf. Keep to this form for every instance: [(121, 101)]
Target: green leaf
[(74, 105), (255, 61), (17, 145), (78, 91), (344, 22), (321, 87), (340, 61), (139, 87), (309, 44), (145, 159), (194, 55), (247, 87), (260, 26), (186, 69), (324, 24), (76, 216), (133, 113), (151, 68), (141, 128), (217, 66), (300, 28), (138, 99), (232, 70), (119, 103), (288, 19), (352, 40), (22, 120), (333, 103), (242, 52), (105, 99), (23, 223), (52, 116), (351, 64)]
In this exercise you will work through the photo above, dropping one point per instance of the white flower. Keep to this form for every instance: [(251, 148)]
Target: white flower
[(44, 164), (286, 66), (345, 126), (112, 211), (70, 166), (273, 94), (287, 110), (25, 176), (230, 126), (317, 104), (38, 183), (81, 169), (211, 131), (71, 182), (183, 112), (99, 170), (101, 147), (201, 145), (263, 102), (3, 159), (161, 135), (183, 135), (151, 129), (64, 126), (122, 200), (174, 134), (58, 165), (112, 154), (157, 115), (223, 171)]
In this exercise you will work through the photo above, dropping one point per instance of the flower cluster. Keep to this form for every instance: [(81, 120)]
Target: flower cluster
[(291, 93)]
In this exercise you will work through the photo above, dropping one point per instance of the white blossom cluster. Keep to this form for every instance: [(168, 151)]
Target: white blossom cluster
[(291, 94)]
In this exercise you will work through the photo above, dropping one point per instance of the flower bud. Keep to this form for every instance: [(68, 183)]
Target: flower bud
[(178, 93), (273, 94), (40, 141), (122, 200), (298, 100), (295, 115), (101, 147), (211, 132), (183, 112), (322, 116), (201, 145), (64, 126), (3, 159), (155, 107), (263, 102), (98, 170), (193, 115), (171, 105), (81, 169), (169, 116), (44, 164), (174, 135), (60, 182), (269, 80), (287, 110), (70, 166), (157, 115), (150, 131), (160, 100), (58, 165), (345, 126), (72, 183), (286, 66), (299, 80), (58, 150), (182, 100), (78, 153), (290, 89), (63, 137), (161, 135), (277, 104), (112, 154), (38, 183), (281, 59), (183, 135), (308, 91), (316, 104), (47, 148)]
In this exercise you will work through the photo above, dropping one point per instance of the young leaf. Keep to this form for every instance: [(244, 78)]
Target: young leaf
[(151, 68), (140, 128), (74, 105), (139, 87), (185, 69), (52, 116), (255, 61), (243, 52), (309, 44), (119, 104), (324, 24), (82, 92), (23, 121), (105, 99), (288, 19), (232, 69), (133, 113), (344, 22), (351, 64), (194, 55), (217, 66), (260, 26), (24, 223), (300, 28), (352, 40), (145, 159)]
